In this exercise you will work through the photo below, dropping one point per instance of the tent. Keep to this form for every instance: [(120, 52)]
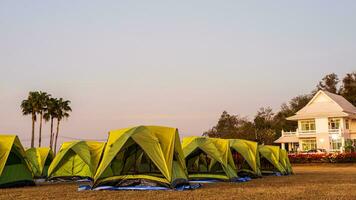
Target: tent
[(142, 155), (39, 159), (208, 158), (269, 159), (76, 160), (14, 168), (284, 160), (246, 157)]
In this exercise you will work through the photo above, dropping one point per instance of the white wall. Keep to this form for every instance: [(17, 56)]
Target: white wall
[(322, 133), (321, 125)]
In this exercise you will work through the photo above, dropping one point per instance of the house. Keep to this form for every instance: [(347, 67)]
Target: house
[(326, 122)]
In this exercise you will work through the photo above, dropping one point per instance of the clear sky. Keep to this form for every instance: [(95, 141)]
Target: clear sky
[(173, 63)]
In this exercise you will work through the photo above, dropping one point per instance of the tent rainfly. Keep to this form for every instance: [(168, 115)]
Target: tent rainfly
[(208, 158), (269, 159), (284, 160), (145, 155), (14, 168), (246, 157), (39, 159), (76, 160)]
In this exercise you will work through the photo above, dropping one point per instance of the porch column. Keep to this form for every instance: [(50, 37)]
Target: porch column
[(283, 146)]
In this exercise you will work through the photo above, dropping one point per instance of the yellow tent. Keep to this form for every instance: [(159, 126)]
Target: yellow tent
[(76, 159), (39, 159), (14, 168), (208, 158), (140, 155)]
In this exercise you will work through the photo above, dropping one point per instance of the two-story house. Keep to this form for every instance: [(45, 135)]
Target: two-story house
[(324, 123)]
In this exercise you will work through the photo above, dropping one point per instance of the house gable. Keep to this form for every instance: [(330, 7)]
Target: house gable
[(320, 103), (325, 104)]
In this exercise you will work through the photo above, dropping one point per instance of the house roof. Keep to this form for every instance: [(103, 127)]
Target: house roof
[(342, 102), (326, 104), (287, 139)]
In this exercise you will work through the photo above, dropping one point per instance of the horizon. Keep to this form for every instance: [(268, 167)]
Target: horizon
[(124, 64)]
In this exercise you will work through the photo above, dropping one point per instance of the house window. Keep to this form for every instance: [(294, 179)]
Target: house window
[(308, 144), (334, 124), (335, 144), (307, 125)]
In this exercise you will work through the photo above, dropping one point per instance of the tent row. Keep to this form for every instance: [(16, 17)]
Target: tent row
[(142, 155)]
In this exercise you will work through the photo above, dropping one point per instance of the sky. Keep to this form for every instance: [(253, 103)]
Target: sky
[(171, 63)]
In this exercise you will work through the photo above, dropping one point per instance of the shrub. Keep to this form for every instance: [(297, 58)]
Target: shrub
[(323, 158)]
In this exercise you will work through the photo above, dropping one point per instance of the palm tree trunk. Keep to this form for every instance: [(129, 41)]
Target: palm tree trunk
[(40, 135), (55, 142), (33, 130), (51, 135)]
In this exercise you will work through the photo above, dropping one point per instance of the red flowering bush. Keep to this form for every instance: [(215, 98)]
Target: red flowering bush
[(323, 158)]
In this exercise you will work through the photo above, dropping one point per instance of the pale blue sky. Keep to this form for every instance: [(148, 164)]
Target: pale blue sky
[(173, 63)]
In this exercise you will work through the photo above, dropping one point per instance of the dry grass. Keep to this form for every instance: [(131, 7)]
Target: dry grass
[(322, 181)]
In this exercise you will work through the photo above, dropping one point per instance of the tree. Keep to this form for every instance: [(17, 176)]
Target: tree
[(264, 126), (50, 115), (264, 118), (61, 112), (329, 83), (30, 106), (43, 98), (287, 110), (227, 124), (231, 127), (348, 88), (246, 130)]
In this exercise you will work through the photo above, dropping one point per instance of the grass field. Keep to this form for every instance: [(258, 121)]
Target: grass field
[(319, 181)]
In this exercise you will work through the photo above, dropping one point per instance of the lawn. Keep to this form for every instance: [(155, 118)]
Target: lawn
[(317, 181)]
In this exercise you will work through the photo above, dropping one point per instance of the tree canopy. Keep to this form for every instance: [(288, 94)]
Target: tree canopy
[(267, 126)]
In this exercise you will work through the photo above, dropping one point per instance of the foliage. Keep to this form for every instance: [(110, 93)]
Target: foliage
[(349, 146), (267, 126), (280, 119), (348, 88), (31, 106), (329, 83), (323, 158), (231, 126), (48, 108), (264, 126)]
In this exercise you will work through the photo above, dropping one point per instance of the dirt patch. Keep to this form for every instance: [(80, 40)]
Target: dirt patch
[(316, 181)]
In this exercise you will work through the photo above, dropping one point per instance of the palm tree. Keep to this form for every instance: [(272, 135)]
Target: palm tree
[(50, 115), (62, 111), (43, 98), (29, 106)]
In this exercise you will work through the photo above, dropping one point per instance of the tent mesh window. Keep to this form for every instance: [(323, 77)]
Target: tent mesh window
[(199, 162), (266, 165), (240, 161), (132, 160), (13, 159)]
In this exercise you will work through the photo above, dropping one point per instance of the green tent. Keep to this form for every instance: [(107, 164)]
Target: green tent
[(14, 168), (39, 159), (284, 160), (76, 159), (246, 157), (269, 160), (142, 155), (208, 158)]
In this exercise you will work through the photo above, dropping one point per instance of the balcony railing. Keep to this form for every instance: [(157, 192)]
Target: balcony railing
[(335, 131), (310, 132), (307, 131), (298, 132), (289, 132)]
